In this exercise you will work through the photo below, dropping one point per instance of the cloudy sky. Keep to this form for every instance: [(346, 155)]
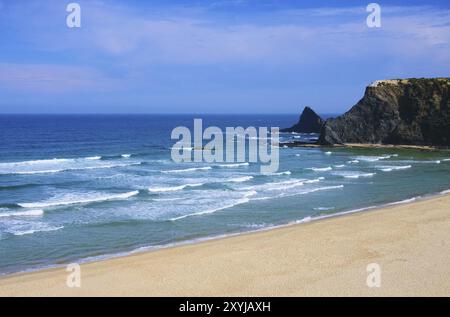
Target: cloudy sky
[(223, 56)]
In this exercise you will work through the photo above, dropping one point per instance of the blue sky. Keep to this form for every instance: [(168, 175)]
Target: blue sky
[(224, 56)]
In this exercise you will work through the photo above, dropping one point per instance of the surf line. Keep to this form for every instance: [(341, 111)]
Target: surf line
[(263, 146)]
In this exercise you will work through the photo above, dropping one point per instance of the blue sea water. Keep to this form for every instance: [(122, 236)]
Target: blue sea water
[(77, 187)]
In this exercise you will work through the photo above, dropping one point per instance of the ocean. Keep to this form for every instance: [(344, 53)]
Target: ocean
[(83, 187)]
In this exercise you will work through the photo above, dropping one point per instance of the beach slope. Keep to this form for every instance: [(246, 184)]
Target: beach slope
[(410, 243)]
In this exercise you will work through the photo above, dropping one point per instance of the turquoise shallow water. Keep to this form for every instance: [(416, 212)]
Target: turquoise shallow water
[(80, 187)]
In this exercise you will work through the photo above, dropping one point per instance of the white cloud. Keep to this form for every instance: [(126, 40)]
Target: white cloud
[(326, 32), (51, 78)]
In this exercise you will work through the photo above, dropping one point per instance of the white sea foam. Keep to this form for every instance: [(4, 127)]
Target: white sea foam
[(405, 201), (419, 161), (372, 158), (239, 179), (288, 184), (192, 169), (339, 165), (233, 165), (126, 155), (243, 200), (324, 208), (281, 173), (79, 199), (349, 174), (34, 172), (34, 162), (390, 168), (320, 169), (328, 153), (353, 162), (27, 213), (37, 229), (23, 170), (173, 188), (93, 158), (310, 191), (446, 160)]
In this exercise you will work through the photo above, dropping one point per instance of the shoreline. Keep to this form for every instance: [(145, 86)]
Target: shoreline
[(27, 277), (365, 146), (155, 248)]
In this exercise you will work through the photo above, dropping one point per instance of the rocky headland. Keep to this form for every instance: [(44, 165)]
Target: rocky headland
[(396, 112)]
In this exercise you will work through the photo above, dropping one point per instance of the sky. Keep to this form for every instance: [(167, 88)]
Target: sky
[(218, 56)]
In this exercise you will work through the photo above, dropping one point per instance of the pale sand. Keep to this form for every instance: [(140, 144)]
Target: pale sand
[(411, 243)]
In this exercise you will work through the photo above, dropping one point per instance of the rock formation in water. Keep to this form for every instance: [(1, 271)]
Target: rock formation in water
[(401, 111), (309, 122)]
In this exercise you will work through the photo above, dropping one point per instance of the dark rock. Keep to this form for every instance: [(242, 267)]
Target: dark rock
[(309, 122), (403, 111)]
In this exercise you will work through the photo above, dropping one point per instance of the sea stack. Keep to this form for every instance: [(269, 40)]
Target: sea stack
[(309, 122), (401, 111)]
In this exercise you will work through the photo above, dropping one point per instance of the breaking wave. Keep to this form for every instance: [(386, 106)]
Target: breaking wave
[(192, 169), (78, 199), (27, 213), (173, 188), (243, 200), (389, 168), (354, 174)]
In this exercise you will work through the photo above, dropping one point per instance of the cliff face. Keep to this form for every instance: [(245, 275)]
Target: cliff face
[(309, 122), (407, 111)]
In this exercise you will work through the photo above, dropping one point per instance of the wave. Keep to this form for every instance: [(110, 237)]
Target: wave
[(354, 174), (281, 173), (324, 208), (405, 201), (320, 169), (233, 165), (445, 192), (420, 161), (239, 179), (126, 155), (353, 162), (47, 161), (446, 160), (321, 189), (243, 200), (192, 169), (34, 162), (305, 192), (284, 185), (389, 168), (27, 213), (372, 158), (339, 165), (66, 169), (172, 188), (328, 153), (37, 229), (181, 187), (79, 200)]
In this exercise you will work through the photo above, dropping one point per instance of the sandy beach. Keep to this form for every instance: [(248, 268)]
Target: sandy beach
[(409, 242)]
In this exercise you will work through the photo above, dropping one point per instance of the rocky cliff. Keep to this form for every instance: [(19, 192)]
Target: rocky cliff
[(403, 111), (309, 122)]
